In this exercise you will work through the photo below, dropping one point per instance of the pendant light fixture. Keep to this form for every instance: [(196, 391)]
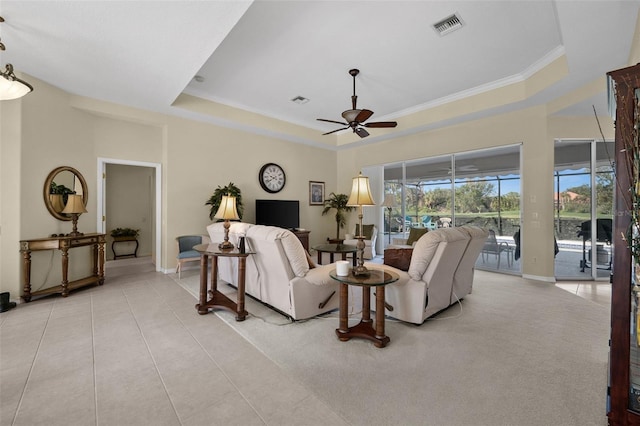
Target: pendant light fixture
[(11, 87)]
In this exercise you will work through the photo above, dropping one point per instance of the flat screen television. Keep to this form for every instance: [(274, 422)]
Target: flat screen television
[(281, 213)]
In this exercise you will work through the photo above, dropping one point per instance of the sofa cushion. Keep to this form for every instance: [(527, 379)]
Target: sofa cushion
[(415, 234), (239, 228), (367, 231), (320, 275), (398, 258), (425, 249), (296, 253)]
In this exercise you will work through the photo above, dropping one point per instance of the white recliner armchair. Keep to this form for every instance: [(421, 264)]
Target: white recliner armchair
[(370, 232), (280, 273), (440, 273)]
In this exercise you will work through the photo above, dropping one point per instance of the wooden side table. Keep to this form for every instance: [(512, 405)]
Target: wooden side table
[(377, 278), (218, 299), (335, 248), (303, 236), (123, 240)]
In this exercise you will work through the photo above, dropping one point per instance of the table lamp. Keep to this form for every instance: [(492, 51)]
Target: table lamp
[(227, 211), (389, 202), (56, 202), (360, 196), (75, 207)]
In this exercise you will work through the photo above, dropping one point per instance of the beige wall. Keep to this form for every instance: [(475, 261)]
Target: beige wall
[(10, 190), (49, 128), (530, 127), (56, 128)]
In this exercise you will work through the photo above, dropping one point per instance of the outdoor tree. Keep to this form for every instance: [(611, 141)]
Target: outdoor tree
[(438, 200), (604, 191), (474, 196)]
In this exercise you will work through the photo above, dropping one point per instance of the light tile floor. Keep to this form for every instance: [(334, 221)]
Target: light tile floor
[(134, 352)]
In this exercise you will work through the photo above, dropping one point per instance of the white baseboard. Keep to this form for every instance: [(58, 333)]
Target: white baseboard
[(539, 278), (173, 270)]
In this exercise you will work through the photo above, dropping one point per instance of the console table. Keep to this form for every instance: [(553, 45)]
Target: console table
[(63, 243)]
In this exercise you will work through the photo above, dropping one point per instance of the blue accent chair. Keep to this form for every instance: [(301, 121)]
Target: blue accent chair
[(186, 253)]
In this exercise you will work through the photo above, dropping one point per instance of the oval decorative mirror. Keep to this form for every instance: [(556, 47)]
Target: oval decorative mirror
[(60, 183)]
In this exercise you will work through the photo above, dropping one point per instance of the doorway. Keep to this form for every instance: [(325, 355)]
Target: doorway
[(149, 218)]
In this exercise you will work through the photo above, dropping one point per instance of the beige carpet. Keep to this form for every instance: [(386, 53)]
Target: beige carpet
[(514, 352)]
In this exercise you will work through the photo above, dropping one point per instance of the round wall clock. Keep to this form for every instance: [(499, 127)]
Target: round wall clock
[(272, 178)]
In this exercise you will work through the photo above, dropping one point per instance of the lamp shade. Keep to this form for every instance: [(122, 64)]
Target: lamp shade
[(75, 204), (389, 201), (360, 192), (227, 209), (11, 87), (56, 202)]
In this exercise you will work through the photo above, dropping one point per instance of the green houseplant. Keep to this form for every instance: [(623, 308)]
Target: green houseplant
[(216, 198), (124, 233), (338, 202), (60, 189)]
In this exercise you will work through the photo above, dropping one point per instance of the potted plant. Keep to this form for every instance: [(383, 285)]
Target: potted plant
[(338, 202), (123, 234), (216, 198)]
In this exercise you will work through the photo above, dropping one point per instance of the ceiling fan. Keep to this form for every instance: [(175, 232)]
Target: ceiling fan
[(356, 117)]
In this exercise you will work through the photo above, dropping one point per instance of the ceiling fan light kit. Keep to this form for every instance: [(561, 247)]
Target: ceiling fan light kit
[(355, 118), (11, 87)]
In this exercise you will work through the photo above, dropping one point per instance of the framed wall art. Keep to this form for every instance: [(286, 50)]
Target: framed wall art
[(316, 193)]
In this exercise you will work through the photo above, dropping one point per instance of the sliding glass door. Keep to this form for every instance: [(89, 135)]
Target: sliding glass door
[(487, 194), (583, 200), (479, 188)]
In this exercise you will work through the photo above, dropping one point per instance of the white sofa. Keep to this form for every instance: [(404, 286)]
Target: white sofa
[(440, 273), (279, 273), (369, 245)]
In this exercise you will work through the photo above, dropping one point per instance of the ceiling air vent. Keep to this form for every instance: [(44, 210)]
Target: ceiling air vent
[(300, 100), (448, 24)]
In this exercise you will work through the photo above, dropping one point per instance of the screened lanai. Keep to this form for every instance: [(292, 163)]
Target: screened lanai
[(480, 188), (483, 188)]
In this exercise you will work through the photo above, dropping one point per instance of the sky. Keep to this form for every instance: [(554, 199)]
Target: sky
[(513, 185)]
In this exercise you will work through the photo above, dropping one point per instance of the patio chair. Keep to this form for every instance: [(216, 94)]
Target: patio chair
[(493, 247), (444, 222), (427, 222)]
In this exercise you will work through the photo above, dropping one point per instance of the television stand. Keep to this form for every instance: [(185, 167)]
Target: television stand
[(303, 236)]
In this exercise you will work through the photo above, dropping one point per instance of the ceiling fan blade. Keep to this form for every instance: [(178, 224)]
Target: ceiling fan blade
[(332, 121), (361, 132), (382, 124), (333, 131), (364, 115)]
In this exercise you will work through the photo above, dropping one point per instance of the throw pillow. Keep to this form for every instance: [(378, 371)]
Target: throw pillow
[(415, 234), (367, 231), (398, 258)]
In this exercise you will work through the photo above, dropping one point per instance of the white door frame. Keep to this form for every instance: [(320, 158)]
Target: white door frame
[(101, 197)]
